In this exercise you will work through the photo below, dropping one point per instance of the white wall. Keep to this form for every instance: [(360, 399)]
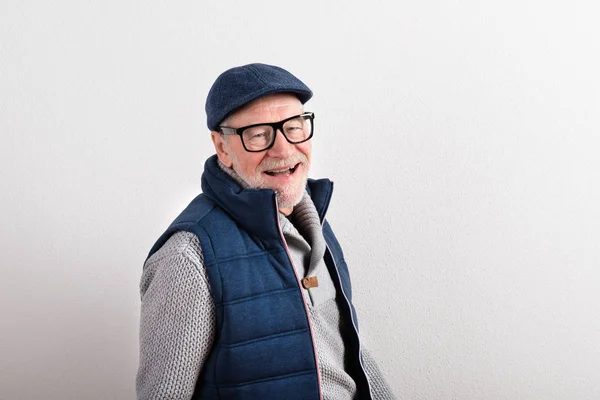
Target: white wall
[(462, 137)]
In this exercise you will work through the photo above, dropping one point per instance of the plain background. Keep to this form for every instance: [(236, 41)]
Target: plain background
[(462, 138)]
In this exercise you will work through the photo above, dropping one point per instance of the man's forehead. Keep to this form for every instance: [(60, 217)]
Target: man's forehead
[(267, 104), (272, 101)]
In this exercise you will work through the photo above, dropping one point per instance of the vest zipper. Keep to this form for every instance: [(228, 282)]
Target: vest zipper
[(362, 367), (312, 336)]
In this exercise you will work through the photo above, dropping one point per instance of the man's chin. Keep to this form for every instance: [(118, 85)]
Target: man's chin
[(284, 203), (290, 197)]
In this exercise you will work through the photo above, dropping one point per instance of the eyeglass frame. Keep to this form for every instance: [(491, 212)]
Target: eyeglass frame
[(277, 126)]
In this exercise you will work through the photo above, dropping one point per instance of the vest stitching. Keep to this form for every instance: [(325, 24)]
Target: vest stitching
[(262, 338), (208, 255), (219, 320), (276, 378), (255, 296), (255, 254)]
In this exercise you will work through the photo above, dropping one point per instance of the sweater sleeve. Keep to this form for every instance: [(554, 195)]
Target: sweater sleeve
[(177, 320), (379, 387)]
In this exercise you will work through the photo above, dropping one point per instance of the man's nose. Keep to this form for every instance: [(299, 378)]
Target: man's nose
[(281, 148)]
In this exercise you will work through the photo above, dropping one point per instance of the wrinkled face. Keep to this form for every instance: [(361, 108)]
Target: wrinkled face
[(284, 167)]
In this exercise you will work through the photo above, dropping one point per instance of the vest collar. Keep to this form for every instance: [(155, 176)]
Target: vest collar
[(255, 209)]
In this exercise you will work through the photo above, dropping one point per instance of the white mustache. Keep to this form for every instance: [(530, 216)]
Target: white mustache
[(268, 165)]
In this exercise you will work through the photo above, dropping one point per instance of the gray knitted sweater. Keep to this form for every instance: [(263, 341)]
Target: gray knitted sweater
[(177, 326)]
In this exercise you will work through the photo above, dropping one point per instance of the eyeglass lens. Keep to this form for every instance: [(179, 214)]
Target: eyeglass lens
[(260, 137)]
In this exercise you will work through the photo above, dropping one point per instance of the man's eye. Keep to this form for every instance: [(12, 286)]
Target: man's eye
[(294, 127), (256, 135)]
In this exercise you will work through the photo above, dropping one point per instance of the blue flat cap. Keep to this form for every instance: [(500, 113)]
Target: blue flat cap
[(239, 86)]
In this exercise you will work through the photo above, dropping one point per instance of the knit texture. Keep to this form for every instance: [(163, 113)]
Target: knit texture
[(304, 237), (177, 321), (380, 389), (306, 219), (328, 329)]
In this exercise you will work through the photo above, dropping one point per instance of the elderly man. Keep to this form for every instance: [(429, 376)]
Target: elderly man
[(247, 294)]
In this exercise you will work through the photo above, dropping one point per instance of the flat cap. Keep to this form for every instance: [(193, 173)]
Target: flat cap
[(239, 86)]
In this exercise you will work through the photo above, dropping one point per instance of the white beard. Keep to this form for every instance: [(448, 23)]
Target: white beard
[(288, 196)]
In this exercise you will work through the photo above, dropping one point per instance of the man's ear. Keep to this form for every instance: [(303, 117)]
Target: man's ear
[(221, 148)]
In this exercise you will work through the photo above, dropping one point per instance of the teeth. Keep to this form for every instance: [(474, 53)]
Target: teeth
[(281, 171), (273, 173)]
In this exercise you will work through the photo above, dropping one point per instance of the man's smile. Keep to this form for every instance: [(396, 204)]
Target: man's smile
[(285, 171)]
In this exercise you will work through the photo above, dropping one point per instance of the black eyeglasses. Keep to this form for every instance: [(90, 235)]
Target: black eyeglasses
[(260, 137)]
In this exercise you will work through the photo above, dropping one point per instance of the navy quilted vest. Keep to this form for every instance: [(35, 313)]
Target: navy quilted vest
[(263, 347)]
